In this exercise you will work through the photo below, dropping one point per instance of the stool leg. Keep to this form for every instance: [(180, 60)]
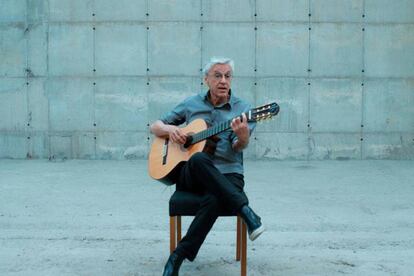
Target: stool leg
[(173, 234), (178, 229), (238, 238), (243, 262)]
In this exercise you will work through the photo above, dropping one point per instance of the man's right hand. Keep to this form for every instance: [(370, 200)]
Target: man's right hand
[(173, 132), (177, 135)]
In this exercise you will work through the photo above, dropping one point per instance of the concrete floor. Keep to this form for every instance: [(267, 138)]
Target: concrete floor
[(81, 217)]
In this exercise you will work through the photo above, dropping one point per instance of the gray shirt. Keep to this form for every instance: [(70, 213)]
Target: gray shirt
[(198, 106)]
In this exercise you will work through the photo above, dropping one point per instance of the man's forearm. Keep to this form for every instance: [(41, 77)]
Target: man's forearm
[(240, 144), (160, 129)]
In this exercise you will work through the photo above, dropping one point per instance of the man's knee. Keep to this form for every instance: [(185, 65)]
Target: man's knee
[(199, 159)]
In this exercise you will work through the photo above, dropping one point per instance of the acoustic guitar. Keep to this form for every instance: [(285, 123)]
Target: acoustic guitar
[(165, 155)]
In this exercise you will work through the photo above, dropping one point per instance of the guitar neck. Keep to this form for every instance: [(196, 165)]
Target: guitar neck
[(253, 115), (207, 133)]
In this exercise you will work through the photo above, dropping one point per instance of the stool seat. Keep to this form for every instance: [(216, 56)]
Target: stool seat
[(187, 204)]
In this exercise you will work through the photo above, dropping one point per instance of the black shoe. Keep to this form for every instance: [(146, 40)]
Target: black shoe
[(173, 265), (253, 222)]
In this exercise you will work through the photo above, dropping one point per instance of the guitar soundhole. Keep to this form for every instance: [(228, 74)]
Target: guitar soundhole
[(189, 140)]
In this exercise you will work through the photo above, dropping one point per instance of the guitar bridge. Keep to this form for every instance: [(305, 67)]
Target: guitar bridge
[(165, 152)]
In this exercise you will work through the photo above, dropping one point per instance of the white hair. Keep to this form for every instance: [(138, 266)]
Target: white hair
[(218, 60)]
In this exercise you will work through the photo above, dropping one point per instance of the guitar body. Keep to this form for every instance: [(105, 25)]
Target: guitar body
[(165, 155)]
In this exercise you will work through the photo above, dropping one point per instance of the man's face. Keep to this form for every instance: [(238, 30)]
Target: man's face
[(218, 80)]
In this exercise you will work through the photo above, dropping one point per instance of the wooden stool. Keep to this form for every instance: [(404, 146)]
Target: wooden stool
[(187, 204)]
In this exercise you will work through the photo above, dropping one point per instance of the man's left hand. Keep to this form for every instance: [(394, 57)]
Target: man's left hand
[(241, 129)]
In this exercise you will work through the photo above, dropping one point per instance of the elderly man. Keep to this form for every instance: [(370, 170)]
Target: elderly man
[(218, 176)]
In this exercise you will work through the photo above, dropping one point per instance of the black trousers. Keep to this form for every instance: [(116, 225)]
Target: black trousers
[(220, 192)]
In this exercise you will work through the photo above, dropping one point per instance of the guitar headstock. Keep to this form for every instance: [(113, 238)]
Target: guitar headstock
[(263, 112)]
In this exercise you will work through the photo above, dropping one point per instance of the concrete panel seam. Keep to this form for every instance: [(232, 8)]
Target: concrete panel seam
[(309, 128), (147, 65), (94, 75), (362, 80)]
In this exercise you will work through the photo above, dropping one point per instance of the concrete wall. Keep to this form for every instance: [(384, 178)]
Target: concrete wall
[(84, 78)]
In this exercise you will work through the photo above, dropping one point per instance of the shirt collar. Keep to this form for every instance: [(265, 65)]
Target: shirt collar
[(230, 103)]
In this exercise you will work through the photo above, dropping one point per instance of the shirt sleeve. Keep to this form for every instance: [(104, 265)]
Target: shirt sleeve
[(177, 116)]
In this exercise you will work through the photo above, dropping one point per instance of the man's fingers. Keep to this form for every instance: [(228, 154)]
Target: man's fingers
[(183, 139), (178, 137), (244, 118), (182, 136), (236, 122), (178, 140)]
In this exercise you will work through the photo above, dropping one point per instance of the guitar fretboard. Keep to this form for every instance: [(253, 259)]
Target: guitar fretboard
[(207, 133)]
